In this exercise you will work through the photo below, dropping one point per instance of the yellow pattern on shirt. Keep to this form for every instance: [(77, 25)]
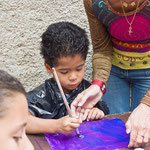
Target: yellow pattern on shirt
[(131, 60)]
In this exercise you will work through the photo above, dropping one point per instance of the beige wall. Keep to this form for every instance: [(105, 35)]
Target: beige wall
[(21, 25)]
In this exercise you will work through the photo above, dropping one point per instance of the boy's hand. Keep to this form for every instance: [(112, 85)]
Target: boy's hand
[(89, 114), (67, 125), (95, 114)]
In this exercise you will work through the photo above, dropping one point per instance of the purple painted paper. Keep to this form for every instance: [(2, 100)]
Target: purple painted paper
[(108, 134)]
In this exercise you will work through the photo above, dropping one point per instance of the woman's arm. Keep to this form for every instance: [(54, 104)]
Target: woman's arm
[(102, 59), (102, 46)]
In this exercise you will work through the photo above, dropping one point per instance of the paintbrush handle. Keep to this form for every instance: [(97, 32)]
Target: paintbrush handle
[(77, 131), (62, 93), (64, 98)]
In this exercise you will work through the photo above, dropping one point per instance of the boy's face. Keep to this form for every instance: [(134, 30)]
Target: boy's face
[(70, 71), (12, 125)]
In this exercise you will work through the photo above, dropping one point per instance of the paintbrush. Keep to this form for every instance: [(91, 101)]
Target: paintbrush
[(64, 98)]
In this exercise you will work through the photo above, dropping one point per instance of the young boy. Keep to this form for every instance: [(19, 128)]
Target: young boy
[(13, 114), (65, 47)]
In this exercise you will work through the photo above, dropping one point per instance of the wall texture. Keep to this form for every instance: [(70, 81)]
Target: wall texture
[(21, 24)]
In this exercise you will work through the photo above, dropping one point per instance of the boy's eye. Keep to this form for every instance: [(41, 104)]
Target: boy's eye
[(64, 72)]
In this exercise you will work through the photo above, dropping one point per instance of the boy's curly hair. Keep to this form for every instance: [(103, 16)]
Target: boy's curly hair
[(63, 39)]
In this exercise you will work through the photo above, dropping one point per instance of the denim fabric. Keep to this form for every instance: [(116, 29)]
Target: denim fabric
[(126, 88)]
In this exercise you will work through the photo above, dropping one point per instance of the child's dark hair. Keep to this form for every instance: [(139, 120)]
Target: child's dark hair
[(63, 39), (9, 85)]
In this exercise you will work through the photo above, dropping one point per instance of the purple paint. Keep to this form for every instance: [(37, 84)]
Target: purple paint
[(38, 144), (108, 134)]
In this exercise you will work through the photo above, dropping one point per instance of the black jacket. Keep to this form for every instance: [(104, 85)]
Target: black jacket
[(46, 101)]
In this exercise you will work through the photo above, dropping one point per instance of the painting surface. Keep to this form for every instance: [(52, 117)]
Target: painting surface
[(108, 134)]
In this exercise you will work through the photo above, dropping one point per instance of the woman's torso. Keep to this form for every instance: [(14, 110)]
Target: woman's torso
[(131, 50)]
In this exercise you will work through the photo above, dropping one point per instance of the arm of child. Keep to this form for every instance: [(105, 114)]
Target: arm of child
[(64, 125)]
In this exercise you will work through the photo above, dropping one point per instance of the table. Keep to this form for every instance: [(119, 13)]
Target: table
[(39, 142)]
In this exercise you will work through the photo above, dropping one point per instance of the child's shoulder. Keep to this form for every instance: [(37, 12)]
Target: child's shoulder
[(41, 90)]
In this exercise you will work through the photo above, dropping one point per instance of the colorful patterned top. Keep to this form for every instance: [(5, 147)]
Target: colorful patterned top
[(129, 51)]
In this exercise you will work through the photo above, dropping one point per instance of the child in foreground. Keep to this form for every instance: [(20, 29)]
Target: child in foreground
[(64, 46), (13, 114)]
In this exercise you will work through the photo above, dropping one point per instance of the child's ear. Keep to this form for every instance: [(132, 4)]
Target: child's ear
[(48, 68)]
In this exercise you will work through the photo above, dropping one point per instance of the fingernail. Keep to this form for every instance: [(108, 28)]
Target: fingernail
[(79, 104), (128, 131)]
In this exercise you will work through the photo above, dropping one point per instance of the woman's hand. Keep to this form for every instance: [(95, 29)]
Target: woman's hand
[(138, 125), (67, 125), (86, 100)]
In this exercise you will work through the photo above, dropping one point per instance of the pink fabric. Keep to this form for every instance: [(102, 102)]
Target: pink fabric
[(140, 29)]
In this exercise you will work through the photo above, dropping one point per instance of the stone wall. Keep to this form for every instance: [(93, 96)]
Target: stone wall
[(21, 24)]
